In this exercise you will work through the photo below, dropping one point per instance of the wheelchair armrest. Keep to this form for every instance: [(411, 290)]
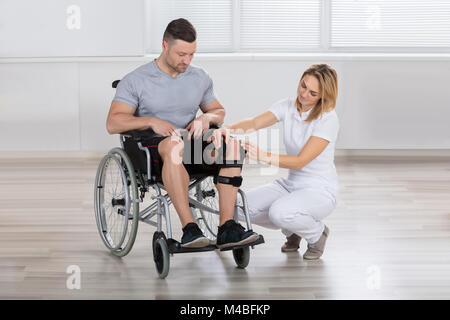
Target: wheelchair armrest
[(137, 135)]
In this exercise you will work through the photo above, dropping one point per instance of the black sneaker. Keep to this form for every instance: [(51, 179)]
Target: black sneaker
[(193, 237), (232, 234)]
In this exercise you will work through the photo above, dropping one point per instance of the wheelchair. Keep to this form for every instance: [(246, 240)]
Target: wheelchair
[(124, 176)]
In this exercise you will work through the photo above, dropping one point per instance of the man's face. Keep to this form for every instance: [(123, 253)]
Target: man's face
[(179, 54)]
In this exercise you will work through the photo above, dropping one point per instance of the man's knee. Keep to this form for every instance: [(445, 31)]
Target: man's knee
[(171, 149), (232, 155), (233, 150), (230, 164)]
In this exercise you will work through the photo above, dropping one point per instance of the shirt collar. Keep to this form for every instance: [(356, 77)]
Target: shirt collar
[(180, 75), (304, 115)]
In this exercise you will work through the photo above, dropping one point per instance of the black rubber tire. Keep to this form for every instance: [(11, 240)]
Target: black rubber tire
[(242, 257), (161, 255)]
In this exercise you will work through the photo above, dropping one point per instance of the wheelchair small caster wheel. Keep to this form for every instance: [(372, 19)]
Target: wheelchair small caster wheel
[(242, 257), (161, 255)]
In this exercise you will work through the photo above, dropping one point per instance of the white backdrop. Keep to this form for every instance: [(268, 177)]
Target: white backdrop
[(57, 28)]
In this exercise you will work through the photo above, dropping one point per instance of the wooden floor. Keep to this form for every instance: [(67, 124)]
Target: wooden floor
[(390, 239)]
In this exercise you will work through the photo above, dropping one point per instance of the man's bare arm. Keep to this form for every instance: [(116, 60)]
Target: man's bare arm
[(121, 119), (214, 111)]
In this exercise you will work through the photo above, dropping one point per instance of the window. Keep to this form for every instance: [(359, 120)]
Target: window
[(308, 25), (279, 25), (390, 23), (211, 18)]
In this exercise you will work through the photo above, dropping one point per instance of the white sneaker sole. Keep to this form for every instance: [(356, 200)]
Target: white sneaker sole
[(311, 257), (197, 243), (250, 239)]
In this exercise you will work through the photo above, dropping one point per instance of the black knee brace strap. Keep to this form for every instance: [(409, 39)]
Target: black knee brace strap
[(235, 181), (230, 164)]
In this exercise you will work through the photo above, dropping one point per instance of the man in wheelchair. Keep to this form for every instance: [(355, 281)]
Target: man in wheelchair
[(162, 97)]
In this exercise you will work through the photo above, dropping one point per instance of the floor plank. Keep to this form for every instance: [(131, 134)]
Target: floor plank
[(390, 239)]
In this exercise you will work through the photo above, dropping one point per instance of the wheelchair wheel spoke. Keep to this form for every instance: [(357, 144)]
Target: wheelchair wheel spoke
[(111, 179), (114, 191), (112, 223), (207, 194)]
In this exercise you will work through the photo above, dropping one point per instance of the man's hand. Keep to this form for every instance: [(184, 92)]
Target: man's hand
[(164, 128), (198, 126)]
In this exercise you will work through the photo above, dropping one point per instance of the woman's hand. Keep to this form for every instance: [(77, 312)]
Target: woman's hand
[(254, 152), (217, 136)]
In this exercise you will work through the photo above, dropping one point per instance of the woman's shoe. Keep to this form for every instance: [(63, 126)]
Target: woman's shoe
[(292, 243), (315, 250)]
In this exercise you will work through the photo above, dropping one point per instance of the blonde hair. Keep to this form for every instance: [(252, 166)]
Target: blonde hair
[(327, 78)]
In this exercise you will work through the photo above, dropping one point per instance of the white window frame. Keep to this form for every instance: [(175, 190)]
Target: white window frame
[(378, 49), (325, 38)]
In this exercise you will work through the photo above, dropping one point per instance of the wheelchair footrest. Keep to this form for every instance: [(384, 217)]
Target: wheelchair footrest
[(254, 243), (175, 247)]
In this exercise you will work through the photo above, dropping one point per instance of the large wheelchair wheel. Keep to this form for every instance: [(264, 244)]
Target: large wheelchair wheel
[(207, 193), (116, 202), (242, 257)]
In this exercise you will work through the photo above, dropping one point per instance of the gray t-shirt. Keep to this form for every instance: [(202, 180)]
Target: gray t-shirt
[(156, 94)]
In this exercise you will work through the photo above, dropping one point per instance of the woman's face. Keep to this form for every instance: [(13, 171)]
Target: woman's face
[(309, 91)]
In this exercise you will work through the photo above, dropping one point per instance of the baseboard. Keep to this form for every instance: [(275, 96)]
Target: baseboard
[(52, 154), (339, 153), (392, 153)]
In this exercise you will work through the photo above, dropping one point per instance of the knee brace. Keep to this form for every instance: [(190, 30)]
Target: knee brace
[(223, 163), (234, 181), (230, 164)]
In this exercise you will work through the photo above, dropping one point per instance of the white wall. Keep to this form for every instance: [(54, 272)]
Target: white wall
[(385, 103), (59, 28), (55, 80)]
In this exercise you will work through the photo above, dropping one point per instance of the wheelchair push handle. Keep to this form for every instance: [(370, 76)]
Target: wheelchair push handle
[(115, 83)]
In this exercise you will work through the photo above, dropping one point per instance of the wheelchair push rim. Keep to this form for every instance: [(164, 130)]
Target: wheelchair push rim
[(116, 207)]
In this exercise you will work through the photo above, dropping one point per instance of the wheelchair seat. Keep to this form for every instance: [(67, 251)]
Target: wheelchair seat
[(134, 143)]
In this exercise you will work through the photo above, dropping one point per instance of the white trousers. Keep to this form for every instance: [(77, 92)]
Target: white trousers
[(279, 205)]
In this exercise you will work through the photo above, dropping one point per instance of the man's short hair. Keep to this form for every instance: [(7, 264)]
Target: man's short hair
[(180, 29)]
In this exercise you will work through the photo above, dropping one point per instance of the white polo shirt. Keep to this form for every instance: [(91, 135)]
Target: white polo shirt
[(321, 171)]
